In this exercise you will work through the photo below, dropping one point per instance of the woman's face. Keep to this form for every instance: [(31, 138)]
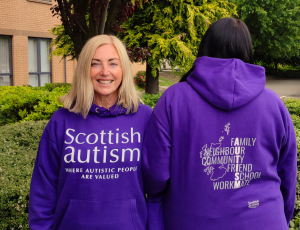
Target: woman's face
[(106, 74)]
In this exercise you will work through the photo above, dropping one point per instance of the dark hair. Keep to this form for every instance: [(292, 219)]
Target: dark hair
[(225, 38)]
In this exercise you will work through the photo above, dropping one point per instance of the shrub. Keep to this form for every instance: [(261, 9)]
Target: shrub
[(283, 74), (24, 103), (19, 144), (140, 79), (151, 99), (295, 223), (65, 86), (293, 106), (296, 121)]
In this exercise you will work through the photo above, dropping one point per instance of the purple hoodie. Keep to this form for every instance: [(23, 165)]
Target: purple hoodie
[(220, 152), (87, 173)]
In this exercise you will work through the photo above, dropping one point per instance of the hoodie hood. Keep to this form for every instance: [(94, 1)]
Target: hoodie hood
[(113, 111), (227, 83)]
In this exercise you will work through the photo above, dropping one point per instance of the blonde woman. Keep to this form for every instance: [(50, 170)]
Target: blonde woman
[(87, 172)]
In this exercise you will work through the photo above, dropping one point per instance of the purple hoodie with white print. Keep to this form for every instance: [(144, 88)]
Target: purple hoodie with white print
[(87, 174), (220, 152)]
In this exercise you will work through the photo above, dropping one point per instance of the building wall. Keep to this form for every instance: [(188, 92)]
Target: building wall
[(135, 67), (20, 60), (21, 19)]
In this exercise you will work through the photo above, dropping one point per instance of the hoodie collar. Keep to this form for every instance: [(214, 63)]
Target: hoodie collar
[(113, 111), (227, 83)]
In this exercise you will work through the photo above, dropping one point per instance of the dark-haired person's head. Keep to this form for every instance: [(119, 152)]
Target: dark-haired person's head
[(226, 38)]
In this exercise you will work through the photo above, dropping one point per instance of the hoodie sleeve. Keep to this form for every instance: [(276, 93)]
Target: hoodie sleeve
[(156, 164), (287, 169), (43, 188)]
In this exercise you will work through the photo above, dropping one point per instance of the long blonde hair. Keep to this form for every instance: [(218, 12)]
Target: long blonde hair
[(80, 98)]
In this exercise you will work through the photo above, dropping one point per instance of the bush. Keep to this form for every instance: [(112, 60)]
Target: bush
[(283, 74), (64, 86), (296, 121), (140, 79), (293, 106), (151, 99), (295, 222), (24, 103), (19, 144)]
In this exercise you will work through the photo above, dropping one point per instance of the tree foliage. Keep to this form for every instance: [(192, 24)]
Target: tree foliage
[(173, 29), (63, 43), (275, 29), (83, 19), (170, 29)]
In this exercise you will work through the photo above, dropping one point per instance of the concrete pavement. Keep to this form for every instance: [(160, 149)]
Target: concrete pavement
[(287, 88)]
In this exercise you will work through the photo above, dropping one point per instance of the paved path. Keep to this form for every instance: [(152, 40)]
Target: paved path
[(288, 88)]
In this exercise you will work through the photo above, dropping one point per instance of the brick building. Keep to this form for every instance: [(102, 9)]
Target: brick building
[(24, 45)]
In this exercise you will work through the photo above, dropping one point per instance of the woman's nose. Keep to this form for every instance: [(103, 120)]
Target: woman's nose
[(105, 71)]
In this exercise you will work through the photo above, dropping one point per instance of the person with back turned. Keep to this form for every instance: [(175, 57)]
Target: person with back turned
[(222, 153)]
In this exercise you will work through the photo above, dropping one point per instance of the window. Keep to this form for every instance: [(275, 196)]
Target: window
[(5, 61), (39, 64)]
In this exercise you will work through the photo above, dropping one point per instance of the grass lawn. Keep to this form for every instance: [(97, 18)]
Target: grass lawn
[(165, 82)]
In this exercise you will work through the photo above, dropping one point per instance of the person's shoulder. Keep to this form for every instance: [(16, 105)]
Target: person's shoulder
[(272, 96), (60, 113), (180, 86), (145, 109), (276, 103), (176, 91)]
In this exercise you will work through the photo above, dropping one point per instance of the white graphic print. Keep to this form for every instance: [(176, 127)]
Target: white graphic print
[(253, 204), (102, 155), (221, 138), (223, 160), (227, 127)]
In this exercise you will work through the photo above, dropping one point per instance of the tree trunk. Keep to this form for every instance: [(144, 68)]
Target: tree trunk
[(103, 17), (92, 26), (112, 16), (151, 82)]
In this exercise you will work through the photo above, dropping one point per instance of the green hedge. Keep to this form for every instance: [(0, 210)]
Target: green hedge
[(283, 73), (293, 106), (151, 99), (19, 144), (25, 103)]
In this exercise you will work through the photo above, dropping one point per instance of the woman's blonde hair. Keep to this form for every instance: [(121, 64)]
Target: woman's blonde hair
[(80, 98)]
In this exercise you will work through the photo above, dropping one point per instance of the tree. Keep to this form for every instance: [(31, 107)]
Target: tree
[(172, 30), (83, 19), (274, 28)]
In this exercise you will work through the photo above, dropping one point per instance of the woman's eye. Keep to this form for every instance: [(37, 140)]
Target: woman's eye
[(113, 64), (95, 63)]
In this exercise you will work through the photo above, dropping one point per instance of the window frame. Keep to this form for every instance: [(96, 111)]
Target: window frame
[(49, 2), (10, 60), (39, 73)]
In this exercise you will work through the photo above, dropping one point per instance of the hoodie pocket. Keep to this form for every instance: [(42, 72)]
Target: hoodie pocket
[(98, 215)]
